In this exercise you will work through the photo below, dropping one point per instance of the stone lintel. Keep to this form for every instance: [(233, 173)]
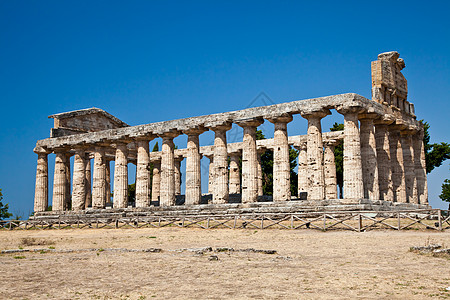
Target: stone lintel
[(368, 116)]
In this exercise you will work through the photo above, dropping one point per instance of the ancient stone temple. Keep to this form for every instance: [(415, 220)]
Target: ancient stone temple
[(384, 160)]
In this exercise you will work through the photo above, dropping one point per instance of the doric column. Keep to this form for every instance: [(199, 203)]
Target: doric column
[(167, 191), (211, 173), (235, 177), (59, 181), (384, 160), (329, 166), (220, 194), (281, 165), (143, 173), (249, 160), (420, 167), (302, 169), (156, 183), (108, 182), (87, 182), (408, 165), (41, 188), (120, 197), (193, 192), (260, 151), (369, 157), (353, 177), (99, 179), (68, 198), (79, 180), (177, 174), (316, 182), (398, 175)]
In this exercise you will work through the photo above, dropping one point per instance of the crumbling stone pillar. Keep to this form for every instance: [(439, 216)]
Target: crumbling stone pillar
[(302, 169), (177, 174), (68, 199), (211, 173), (156, 184), (384, 160), (99, 179), (316, 182), (398, 175), (120, 197), (167, 191), (108, 182), (408, 165), (420, 167), (220, 194), (59, 181), (249, 160), (235, 177), (88, 185), (193, 192), (260, 152), (41, 188), (369, 157), (143, 173), (79, 180), (281, 165), (330, 170)]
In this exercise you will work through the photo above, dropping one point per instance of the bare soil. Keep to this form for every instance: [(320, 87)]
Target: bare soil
[(309, 264)]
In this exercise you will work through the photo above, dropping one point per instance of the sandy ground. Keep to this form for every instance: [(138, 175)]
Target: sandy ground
[(309, 264)]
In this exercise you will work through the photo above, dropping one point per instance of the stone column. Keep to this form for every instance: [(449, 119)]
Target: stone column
[(398, 175), (249, 160), (167, 192), (120, 198), (220, 194), (235, 177), (108, 182), (68, 198), (211, 173), (88, 185), (353, 177), (143, 173), (302, 169), (420, 168), (59, 181), (316, 182), (384, 160), (260, 151), (99, 181), (408, 165), (369, 157), (330, 170), (79, 180), (177, 174), (281, 165), (156, 184), (41, 188), (193, 192)]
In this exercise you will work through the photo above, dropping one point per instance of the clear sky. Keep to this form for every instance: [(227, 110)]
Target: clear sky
[(148, 61)]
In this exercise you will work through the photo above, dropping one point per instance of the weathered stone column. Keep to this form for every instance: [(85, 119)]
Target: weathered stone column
[(330, 170), (260, 151), (249, 160), (353, 177), (41, 188), (99, 179), (79, 180), (398, 175), (68, 198), (59, 181), (120, 197), (177, 174), (408, 165), (167, 192), (88, 185), (420, 167), (316, 182), (384, 160), (156, 184), (193, 192), (108, 182), (143, 173), (220, 194), (302, 169), (235, 177), (281, 165), (211, 173), (369, 157)]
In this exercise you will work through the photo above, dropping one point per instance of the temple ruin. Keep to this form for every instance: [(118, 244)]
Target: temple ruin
[(383, 165)]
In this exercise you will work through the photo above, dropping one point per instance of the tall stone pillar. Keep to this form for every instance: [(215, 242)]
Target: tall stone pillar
[(235, 176), (88, 185), (99, 179), (156, 183), (302, 169), (220, 194), (41, 188), (249, 160), (108, 182), (330, 170), (353, 177), (120, 197), (369, 157), (383, 160), (398, 174), (420, 168), (143, 173), (193, 192), (211, 173), (167, 192), (68, 199), (59, 181), (281, 165), (408, 165), (316, 182), (79, 180), (177, 174), (260, 151)]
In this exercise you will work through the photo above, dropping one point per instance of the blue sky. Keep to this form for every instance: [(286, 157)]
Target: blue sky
[(148, 61)]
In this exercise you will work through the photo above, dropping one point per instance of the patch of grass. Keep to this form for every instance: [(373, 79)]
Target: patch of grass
[(43, 252), (19, 257), (51, 247), (151, 237), (29, 241)]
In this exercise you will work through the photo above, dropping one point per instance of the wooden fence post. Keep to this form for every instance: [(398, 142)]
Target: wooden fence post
[(440, 220)]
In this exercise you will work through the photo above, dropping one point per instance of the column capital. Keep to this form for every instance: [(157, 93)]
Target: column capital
[(284, 118), (321, 113), (251, 122), (171, 134), (145, 138), (223, 126), (343, 110), (384, 120), (368, 116), (193, 131), (41, 150), (331, 143)]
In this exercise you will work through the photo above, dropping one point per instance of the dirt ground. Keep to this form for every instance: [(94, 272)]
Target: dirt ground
[(309, 264)]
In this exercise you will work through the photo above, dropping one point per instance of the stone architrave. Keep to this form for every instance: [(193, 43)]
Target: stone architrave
[(79, 180), (108, 182), (398, 174), (384, 160), (302, 169), (330, 170), (167, 190), (220, 192), (177, 174), (316, 182), (369, 157), (420, 168), (281, 164), (249, 160), (87, 182), (156, 183), (59, 181), (408, 165), (99, 179), (143, 173), (41, 188), (120, 197), (235, 176), (193, 192)]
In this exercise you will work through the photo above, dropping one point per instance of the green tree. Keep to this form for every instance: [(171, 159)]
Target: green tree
[(339, 160), (445, 194), (4, 208), (436, 153)]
